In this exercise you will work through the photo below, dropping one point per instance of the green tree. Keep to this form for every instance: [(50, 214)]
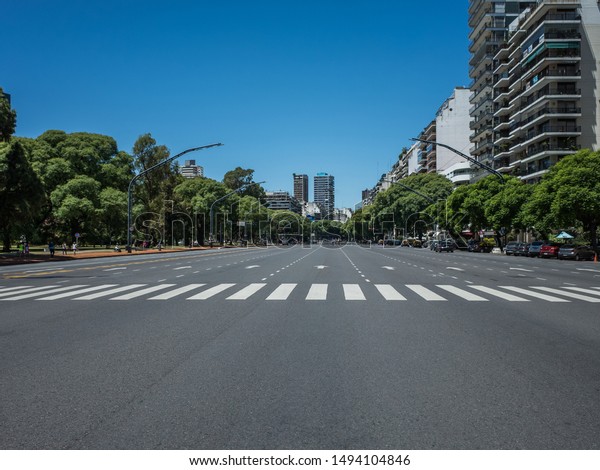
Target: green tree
[(20, 192), (505, 208), (236, 179), (157, 185), (8, 118), (75, 207), (569, 194)]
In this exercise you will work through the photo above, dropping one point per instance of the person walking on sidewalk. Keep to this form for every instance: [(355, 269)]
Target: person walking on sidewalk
[(75, 248), (51, 248), (64, 248)]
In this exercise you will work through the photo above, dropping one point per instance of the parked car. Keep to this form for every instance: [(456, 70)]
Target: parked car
[(522, 250), (549, 250), (445, 245), (576, 252), (511, 248), (535, 247)]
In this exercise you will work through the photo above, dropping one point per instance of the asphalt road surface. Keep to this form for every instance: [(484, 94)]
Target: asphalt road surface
[(324, 347)]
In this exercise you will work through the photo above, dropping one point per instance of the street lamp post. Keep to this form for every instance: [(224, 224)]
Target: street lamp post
[(219, 200), (485, 167), (139, 175)]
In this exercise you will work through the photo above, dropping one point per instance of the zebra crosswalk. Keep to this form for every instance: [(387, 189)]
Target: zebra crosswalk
[(296, 291)]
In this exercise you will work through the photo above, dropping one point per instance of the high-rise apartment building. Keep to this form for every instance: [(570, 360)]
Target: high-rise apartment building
[(546, 87), (324, 192), (488, 22), (301, 188), (191, 170)]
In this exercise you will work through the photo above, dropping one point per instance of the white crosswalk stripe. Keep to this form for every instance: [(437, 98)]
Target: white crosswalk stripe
[(388, 292), (106, 293), (497, 293), (32, 289), (9, 289), (77, 292), (208, 293), (139, 293), (585, 291), (282, 292), (246, 292), (30, 295), (176, 292), (425, 293), (317, 292), (537, 295), (469, 296), (571, 295), (353, 292)]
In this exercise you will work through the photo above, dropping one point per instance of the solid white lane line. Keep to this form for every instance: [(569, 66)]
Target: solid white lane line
[(353, 292), (537, 295), (208, 293), (502, 295), (109, 292), (247, 291), (317, 292), (33, 289), (176, 292), (389, 293), (462, 293), (139, 293), (36, 294), (424, 292), (81, 291), (282, 292), (571, 295)]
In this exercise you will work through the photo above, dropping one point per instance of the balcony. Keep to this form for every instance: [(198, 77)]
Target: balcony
[(552, 91)]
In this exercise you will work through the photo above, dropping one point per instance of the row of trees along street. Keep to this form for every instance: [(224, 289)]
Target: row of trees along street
[(59, 184), (568, 197)]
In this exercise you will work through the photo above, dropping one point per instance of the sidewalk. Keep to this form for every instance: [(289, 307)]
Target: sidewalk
[(7, 259)]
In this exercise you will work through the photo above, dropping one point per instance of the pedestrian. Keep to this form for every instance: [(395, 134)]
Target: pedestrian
[(64, 248), (26, 249), (21, 249), (51, 248), (74, 248)]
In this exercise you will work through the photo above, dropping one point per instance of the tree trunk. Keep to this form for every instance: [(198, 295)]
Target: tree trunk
[(6, 241)]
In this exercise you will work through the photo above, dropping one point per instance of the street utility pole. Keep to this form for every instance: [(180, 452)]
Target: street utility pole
[(148, 170)]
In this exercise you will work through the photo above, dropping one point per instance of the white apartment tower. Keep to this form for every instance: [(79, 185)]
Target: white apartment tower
[(546, 87), (488, 23)]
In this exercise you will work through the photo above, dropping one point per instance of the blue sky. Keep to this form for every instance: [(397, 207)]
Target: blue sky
[(302, 86)]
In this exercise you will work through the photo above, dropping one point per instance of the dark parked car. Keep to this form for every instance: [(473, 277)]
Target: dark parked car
[(549, 250), (576, 252), (445, 245), (535, 247), (522, 250), (511, 248)]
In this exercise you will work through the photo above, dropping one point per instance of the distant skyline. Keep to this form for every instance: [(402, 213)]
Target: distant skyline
[(288, 87)]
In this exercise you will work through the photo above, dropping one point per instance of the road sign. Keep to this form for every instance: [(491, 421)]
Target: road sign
[(77, 235)]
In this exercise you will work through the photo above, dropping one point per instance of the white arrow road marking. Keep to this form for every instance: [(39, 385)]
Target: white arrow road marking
[(253, 266), (522, 269), (183, 267), (113, 269), (389, 268), (321, 267), (454, 269)]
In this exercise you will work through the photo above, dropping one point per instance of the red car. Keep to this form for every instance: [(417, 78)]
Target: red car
[(549, 250)]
